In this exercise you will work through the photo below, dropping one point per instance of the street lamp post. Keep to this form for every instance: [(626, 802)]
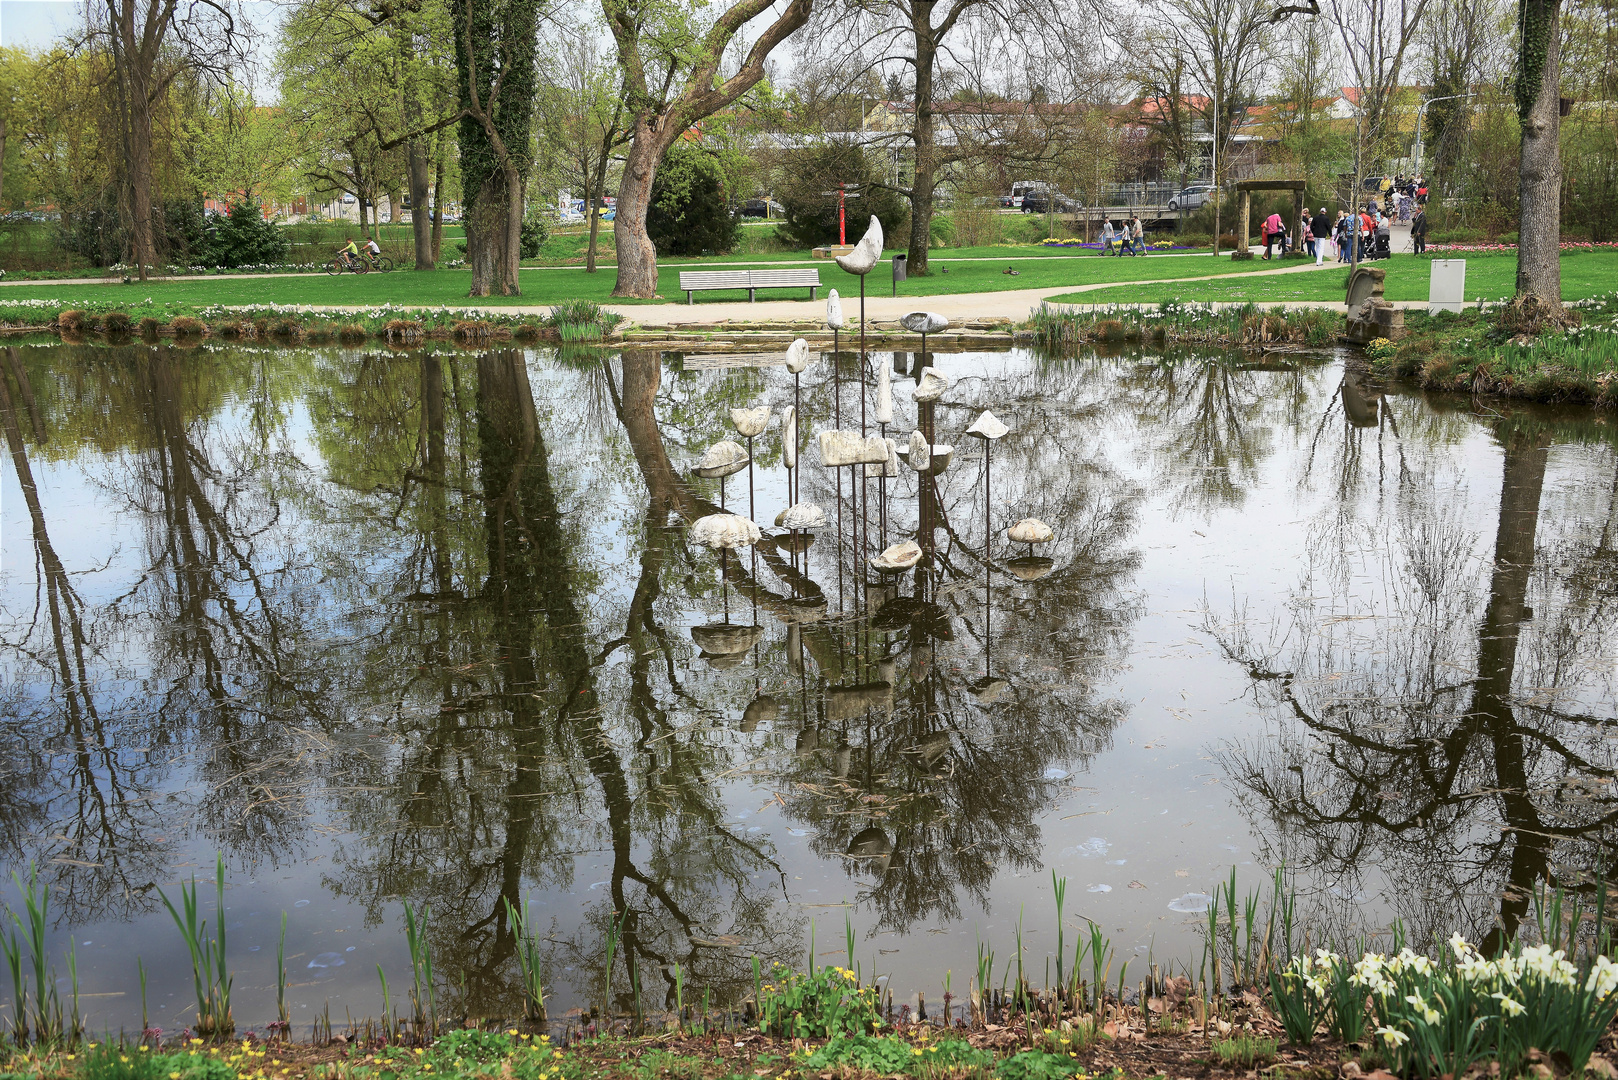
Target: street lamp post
[(1421, 111)]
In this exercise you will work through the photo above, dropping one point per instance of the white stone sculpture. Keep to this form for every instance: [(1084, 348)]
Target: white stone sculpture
[(750, 422), (987, 426), (865, 254), (931, 385), (724, 532)]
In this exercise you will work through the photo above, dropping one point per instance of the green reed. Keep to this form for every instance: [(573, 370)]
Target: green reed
[(529, 963), (1100, 963), (145, 1024), (980, 994), (1022, 983), (75, 1022), (19, 987), (389, 1024), (848, 934), (679, 997), (1059, 890), (47, 1006), (423, 1003), (281, 1012), (208, 971), (614, 934)]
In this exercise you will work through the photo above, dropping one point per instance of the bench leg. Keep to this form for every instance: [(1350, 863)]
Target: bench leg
[(752, 296), (688, 299), (812, 290)]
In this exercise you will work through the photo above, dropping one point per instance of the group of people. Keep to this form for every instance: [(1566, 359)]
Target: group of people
[(1131, 235), (1367, 229), (350, 252), (1402, 197)]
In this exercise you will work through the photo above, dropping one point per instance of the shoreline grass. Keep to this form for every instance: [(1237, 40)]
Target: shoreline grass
[(1586, 273), (1035, 269)]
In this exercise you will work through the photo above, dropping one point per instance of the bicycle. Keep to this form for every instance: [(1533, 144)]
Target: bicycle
[(380, 263), (342, 262)]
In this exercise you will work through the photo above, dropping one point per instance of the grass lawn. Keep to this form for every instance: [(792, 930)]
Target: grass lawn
[(1492, 277), (547, 286)]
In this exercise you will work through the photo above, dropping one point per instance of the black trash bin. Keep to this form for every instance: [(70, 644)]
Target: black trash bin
[(900, 262)]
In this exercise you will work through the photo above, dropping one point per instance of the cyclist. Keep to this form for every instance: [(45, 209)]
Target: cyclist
[(349, 252), (372, 251)]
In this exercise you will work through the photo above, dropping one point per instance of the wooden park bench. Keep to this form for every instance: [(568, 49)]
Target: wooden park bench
[(692, 281)]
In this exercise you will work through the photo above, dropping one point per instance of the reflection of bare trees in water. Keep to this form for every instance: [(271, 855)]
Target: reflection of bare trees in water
[(1214, 418), (1430, 739), (69, 772), (525, 764)]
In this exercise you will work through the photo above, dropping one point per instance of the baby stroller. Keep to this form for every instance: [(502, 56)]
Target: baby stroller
[(1380, 248)]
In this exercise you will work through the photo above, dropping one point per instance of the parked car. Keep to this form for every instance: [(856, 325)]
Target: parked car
[(758, 207), (1011, 202), (1039, 202), (1190, 198)]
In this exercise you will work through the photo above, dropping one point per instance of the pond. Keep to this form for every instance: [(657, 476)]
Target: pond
[(427, 627)]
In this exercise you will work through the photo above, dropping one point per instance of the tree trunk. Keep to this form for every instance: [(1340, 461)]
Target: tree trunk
[(591, 199), (1539, 172), (2, 164), (921, 183), (600, 183), (142, 240), (637, 257), (494, 235), (438, 210), (420, 227)]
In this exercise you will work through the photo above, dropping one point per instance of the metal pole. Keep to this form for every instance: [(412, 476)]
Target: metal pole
[(752, 515)]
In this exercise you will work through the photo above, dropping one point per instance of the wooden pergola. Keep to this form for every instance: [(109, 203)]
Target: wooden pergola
[(1247, 187)]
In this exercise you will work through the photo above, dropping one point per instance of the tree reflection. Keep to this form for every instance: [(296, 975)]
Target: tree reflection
[(1409, 739)]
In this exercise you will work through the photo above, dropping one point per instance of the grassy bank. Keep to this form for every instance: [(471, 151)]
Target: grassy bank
[(1585, 274), (1173, 323), (1033, 270), (1478, 352)]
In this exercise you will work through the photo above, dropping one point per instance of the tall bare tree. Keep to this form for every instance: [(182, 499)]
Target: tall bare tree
[(152, 43)]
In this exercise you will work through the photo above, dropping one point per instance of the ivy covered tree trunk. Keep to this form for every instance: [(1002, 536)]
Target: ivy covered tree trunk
[(495, 42), (1539, 174)]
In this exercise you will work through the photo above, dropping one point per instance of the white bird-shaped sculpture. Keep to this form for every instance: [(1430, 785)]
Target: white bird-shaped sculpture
[(834, 311), (884, 395), (724, 532), (898, 558), (931, 385), (750, 422), (987, 426), (801, 516), (789, 437), (797, 356), (920, 453), (923, 322), (722, 459), (865, 254), (1030, 531)]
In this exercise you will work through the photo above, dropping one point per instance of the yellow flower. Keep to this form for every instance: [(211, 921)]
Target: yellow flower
[(916, 1051), (143, 1048), (512, 1031), (174, 1076), (123, 1058)]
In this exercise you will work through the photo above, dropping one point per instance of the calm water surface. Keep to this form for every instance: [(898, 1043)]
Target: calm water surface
[(428, 627)]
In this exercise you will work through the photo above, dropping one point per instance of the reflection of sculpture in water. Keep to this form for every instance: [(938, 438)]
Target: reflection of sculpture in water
[(1426, 754)]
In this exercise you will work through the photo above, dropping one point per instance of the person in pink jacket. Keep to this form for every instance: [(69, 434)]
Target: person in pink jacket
[(1273, 229)]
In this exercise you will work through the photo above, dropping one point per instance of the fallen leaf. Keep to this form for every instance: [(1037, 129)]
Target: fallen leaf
[(1136, 885)]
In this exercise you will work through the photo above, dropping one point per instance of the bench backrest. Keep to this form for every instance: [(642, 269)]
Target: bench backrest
[(713, 279), (768, 278), (747, 279)]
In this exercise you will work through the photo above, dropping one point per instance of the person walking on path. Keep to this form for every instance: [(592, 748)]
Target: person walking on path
[(1107, 235), (1137, 232), (1418, 230), (1320, 229), (1272, 232)]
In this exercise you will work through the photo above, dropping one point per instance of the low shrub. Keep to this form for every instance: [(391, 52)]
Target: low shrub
[(819, 1004), (75, 320), (351, 334), (116, 322), (148, 328), (186, 326)]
